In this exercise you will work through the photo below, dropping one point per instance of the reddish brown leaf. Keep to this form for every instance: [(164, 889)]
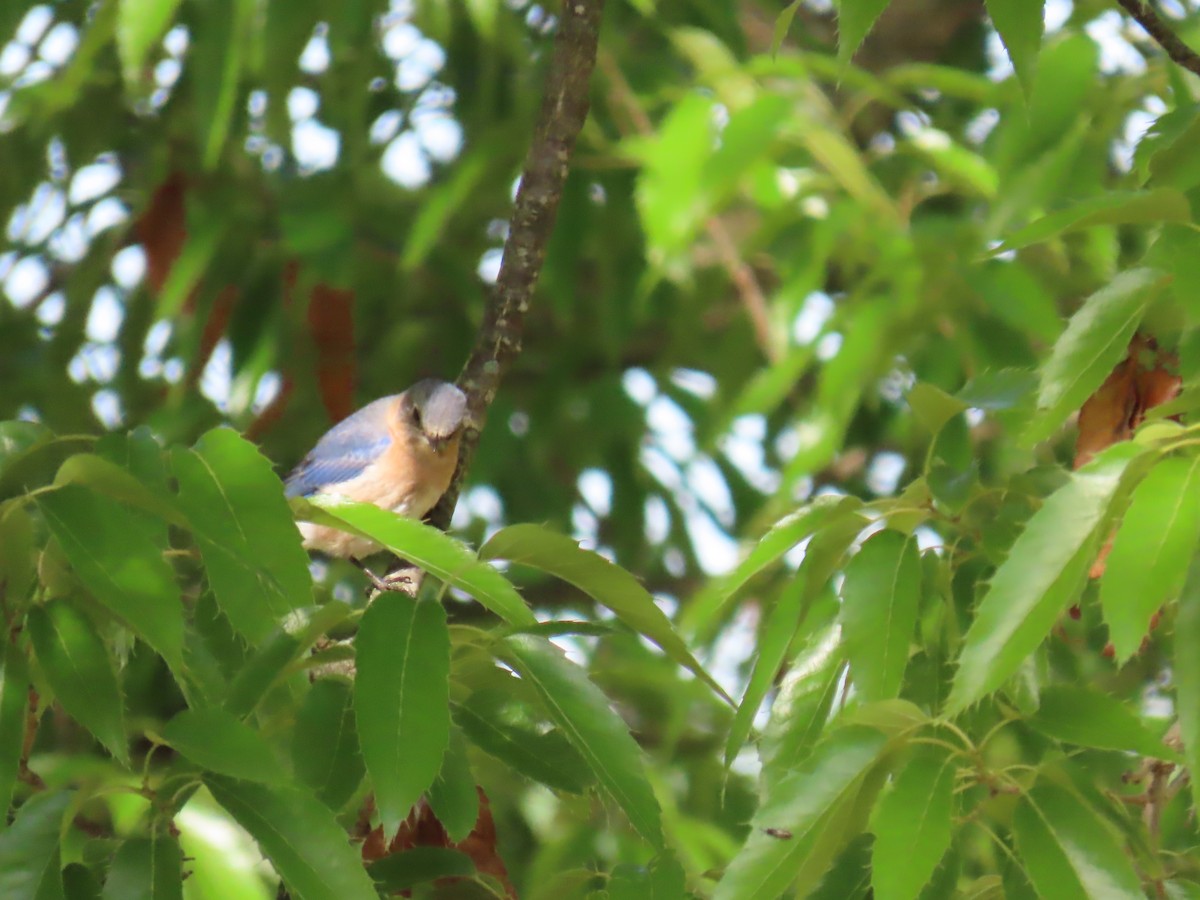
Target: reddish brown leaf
[(331, 322), (214, 330), (1115, 411), (161, 229)]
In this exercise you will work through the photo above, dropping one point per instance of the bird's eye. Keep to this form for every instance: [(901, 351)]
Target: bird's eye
[(416, 417)]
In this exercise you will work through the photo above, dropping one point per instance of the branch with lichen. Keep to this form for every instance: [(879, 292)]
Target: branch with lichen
[(564, 109)]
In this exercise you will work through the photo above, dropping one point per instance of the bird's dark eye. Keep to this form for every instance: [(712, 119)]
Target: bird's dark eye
[(416, 417)]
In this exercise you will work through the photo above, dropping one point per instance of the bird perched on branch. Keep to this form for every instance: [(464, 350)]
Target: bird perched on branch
[(398, 453)]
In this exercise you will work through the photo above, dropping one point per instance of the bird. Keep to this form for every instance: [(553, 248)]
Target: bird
[(398, 452)]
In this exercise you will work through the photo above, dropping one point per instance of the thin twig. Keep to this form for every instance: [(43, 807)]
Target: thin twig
[(564, 109), (1180, 52)]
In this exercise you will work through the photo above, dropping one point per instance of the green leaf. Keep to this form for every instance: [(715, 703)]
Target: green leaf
[(912, 825), (586, 718), (1096, 339), (301, 838), (603, 581), (1079, 715), (115, 554), (325, 749), (453, 795), (802, 704), (1043, 573), (663, 879), (775, 637), (402, 700), (216, 58), (707, 608), (29, 849), (1067, 850), (74, 660), (855, 20), (251, 546), (219, 742), (880, 599), (1187, 672), (795, 810), (423, 545), (146, 869), (783, 24), (1151, 551), (546, 757), (140, 25), (14, 700), (276, 656), (420, 865), (17, 557), (1019, 23), (107, 477), (1115, 208)]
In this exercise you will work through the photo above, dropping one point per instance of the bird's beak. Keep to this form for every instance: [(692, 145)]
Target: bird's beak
[(438, 442)]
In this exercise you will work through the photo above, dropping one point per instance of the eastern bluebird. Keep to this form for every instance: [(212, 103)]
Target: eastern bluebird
[(398, 453)]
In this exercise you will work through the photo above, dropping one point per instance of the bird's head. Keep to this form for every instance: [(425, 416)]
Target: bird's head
[(435, 409)]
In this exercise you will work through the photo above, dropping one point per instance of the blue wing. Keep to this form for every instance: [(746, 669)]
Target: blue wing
[(344, 452)]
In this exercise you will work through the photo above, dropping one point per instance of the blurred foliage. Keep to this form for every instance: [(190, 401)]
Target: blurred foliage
[(836, 306)]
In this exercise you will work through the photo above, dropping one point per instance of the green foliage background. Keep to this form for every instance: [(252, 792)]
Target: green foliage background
[(832, 304)]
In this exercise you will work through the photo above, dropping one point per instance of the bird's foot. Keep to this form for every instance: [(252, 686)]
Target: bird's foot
[(395, 581)]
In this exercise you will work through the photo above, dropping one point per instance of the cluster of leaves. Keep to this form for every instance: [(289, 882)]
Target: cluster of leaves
[(948, 693)]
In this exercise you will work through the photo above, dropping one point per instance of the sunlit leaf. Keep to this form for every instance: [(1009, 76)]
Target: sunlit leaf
[(880, 599), (855, 19), (140, 25), (1149, 559), (912, 825), (1079, 715), (1019, 23), (1044, 571)]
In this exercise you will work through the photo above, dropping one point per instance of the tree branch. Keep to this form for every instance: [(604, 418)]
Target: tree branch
[(1180, 52), (564, 109)]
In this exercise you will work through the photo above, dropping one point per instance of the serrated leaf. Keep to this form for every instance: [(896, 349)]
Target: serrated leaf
[(325, 749), (602, 580), (453, 795), (1186, 672), (114, 552), (244, 529), (1086, 717), (880, 599), (1150, 554), (424, 546), (29, 848), (401, 871), (1096, 339), (1115, 208), (912, 825), (1067, 850), (301, 838), (546, 757), (109, 478), (218, 741), (146, 869), (14, 700), (402, 700), (140, 25), (275, 656), (774, 639), (783, 24), (583, 713), (1019, 23), (1044, 571), (707, 608), (802, 704), (73, 658), (855, 20), (796, 807)]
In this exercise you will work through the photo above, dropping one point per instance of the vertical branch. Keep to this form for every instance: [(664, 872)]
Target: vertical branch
[(564, 109)]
